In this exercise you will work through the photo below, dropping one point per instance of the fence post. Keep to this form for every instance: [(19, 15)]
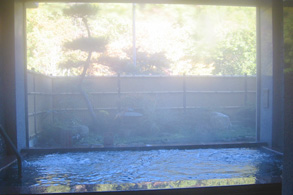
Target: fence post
[(245, 89), (184, 92), (119, 92)]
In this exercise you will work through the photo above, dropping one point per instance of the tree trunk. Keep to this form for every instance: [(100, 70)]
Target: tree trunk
[(84, 94), (82, 77)]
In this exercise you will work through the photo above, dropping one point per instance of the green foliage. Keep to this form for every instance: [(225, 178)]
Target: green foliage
[(59, 132), (152, 63), (223, 41), (104, 122), (159, 126), (46, 31), (87, 44), (117, 64), (236, 55), (170, 39), (81, 11), (247, 116), (147, 63), (71, 64)]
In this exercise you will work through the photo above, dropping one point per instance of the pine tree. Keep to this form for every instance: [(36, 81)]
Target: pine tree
[(87, 44)]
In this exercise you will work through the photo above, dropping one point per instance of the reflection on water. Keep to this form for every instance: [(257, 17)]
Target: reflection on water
[(151, 185), (156, 169)]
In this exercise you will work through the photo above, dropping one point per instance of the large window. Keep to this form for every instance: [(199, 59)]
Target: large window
[(103, 74)]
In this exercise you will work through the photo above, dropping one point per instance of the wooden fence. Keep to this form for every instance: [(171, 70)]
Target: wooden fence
[(50, 95)]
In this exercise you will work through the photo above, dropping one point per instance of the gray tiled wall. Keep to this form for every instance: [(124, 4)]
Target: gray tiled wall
[(2, 145)]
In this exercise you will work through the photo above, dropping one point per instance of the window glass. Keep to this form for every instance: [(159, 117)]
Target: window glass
[(140, 74)]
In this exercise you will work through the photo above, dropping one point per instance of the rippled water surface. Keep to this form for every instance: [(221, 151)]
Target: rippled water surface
[(118, 167)]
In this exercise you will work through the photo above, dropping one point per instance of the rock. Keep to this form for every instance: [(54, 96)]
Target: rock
[(128, 113), (219, 121), (83, 130)]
